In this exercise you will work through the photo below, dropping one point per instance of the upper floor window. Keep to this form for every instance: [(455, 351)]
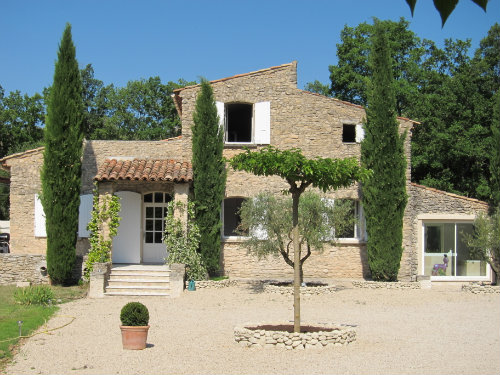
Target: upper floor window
[(245, 123), (352, 133)]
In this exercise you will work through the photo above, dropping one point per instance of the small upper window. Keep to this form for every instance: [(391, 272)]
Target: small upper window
[(348, 133)]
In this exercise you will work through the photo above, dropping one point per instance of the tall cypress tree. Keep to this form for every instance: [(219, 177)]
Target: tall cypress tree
[(209, 178), (495, 154), (61, 169), (382, 151)]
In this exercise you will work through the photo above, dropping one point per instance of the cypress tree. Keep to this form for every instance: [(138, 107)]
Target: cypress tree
[(209, 178), (495, 154), (382, 151), (62, 162)]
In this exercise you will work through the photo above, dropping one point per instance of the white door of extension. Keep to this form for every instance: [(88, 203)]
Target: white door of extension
[(155, 210), (127, 243)]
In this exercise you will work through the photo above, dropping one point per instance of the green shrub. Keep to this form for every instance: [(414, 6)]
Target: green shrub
[(34, 295), (134, 314)]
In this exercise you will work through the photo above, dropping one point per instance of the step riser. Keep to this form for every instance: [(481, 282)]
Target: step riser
[(145, 273), (139, 284), (139, 277), (137, 291)]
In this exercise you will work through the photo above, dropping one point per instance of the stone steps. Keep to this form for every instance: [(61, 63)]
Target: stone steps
[(139, 280)]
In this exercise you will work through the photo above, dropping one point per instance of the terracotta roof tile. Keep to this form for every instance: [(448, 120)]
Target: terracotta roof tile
[(145, 170)]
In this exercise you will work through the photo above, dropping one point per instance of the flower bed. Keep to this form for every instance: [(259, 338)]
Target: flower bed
[(279, 335), (212, 284), (480, 288), (386, 285)]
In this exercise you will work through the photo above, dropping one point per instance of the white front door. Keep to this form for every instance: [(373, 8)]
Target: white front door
[(127, 243), (155, 210)]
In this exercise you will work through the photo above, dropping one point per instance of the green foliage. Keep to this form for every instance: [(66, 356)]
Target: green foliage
[(61, 169), (382, 151), (209, 175), (444, 89), (446, 7), (21, 121), (104, 211), (183, 240), (495, 154), (134, 314), (485, 243), (266, 220), (322, 173), (4, 195), (34, 295)]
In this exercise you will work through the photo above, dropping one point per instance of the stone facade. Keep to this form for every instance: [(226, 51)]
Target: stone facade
[(298, 118)]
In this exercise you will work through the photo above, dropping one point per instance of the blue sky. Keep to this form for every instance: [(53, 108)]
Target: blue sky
[(128, 40)]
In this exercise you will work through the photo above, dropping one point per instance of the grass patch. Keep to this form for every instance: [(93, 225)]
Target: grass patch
[(33, 316)]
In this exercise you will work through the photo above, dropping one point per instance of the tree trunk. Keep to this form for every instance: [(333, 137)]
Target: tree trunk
[(296, 262)]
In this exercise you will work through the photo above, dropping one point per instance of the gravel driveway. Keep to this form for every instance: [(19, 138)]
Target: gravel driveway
[(437, 331)]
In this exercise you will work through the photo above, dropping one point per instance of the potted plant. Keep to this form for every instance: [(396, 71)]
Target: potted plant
[(135, 318)]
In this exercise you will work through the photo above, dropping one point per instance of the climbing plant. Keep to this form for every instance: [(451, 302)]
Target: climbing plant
[(183, 240), (104, 210)]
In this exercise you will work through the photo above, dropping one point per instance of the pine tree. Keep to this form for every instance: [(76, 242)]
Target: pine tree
[(382, 151), (209, 175), (62, 163)]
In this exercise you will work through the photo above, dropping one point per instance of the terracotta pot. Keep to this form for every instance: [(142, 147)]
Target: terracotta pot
[(134, 338)]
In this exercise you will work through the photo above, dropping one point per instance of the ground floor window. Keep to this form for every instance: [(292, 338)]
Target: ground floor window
[(231, 216), (446, 253)]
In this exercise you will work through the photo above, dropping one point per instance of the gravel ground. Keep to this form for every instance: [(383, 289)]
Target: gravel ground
[(437, 331)]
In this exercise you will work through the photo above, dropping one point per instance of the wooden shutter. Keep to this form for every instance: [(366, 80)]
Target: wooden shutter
[(85, 214), (262, 123), (40, 230)]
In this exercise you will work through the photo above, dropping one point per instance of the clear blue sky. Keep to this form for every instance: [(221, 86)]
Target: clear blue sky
[(128, 40)]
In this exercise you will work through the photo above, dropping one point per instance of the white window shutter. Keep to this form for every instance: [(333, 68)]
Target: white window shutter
[(262, 135), (40, 230), (360, 133), (221, 113), (85, 214)]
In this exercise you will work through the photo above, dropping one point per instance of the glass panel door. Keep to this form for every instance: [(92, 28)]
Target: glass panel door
[(446, 252), (155, 210)]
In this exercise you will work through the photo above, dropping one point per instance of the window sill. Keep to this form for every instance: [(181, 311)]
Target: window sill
[(350, 241), (239, 145), (234, 239)]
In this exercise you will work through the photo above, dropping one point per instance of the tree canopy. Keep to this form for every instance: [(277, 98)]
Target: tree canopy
[(445, 89), (299, 172)]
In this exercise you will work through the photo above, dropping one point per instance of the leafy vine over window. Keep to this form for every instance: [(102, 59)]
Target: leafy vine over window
[(183, 240), (104, 210)]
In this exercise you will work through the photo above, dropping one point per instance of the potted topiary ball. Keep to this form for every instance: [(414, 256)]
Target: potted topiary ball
[(135, 318)]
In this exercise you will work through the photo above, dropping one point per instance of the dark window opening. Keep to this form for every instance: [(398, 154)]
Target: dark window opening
[(239, 122), (348, 133), (231, 216)]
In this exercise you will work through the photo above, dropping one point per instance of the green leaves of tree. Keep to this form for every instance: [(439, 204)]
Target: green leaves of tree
[(446, 7)]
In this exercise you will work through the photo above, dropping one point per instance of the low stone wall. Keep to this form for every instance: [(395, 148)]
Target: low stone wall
[(386, 285), (307, 290), (32, 268), (212, 284), (479, 288), (332, 336), (16, 268)]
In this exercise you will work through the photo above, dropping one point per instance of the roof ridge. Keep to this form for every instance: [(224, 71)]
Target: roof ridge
[(238, 76), (18, 154), (448, 193)]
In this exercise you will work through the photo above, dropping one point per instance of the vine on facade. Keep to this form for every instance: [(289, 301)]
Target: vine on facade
[(104, 209)]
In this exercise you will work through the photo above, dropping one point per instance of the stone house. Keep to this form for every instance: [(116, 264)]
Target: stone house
[(256, 109)]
